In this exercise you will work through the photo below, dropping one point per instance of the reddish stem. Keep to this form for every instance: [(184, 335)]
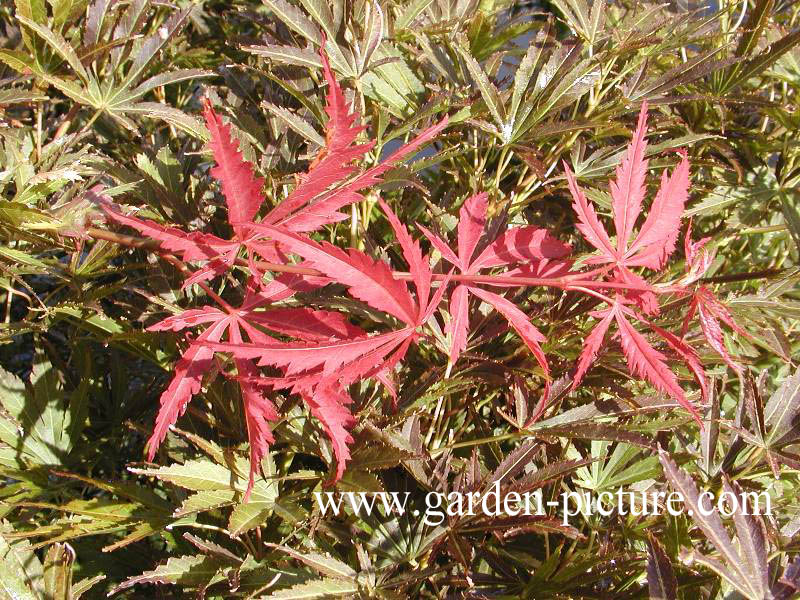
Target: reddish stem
[(178, 264), (566, 282)]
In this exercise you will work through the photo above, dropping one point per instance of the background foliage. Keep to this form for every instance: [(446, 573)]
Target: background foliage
[(110, 92)]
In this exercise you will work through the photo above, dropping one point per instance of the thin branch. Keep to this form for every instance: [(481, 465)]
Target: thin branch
[(564, 283)]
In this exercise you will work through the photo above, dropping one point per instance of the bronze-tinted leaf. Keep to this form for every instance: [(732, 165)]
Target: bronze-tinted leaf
[(660, 575)]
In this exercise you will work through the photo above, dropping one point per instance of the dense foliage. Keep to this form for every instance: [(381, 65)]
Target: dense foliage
[(254, 251)]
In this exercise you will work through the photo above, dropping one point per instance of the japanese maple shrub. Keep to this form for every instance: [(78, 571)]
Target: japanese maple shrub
[(317, 354)]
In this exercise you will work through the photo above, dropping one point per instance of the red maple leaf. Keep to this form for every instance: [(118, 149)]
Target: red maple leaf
[(314, 202), (535, 249), (642, 359), (302, 323), (242, 192), (328, 186), (709, 309), (657, 236), (651, 247)]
